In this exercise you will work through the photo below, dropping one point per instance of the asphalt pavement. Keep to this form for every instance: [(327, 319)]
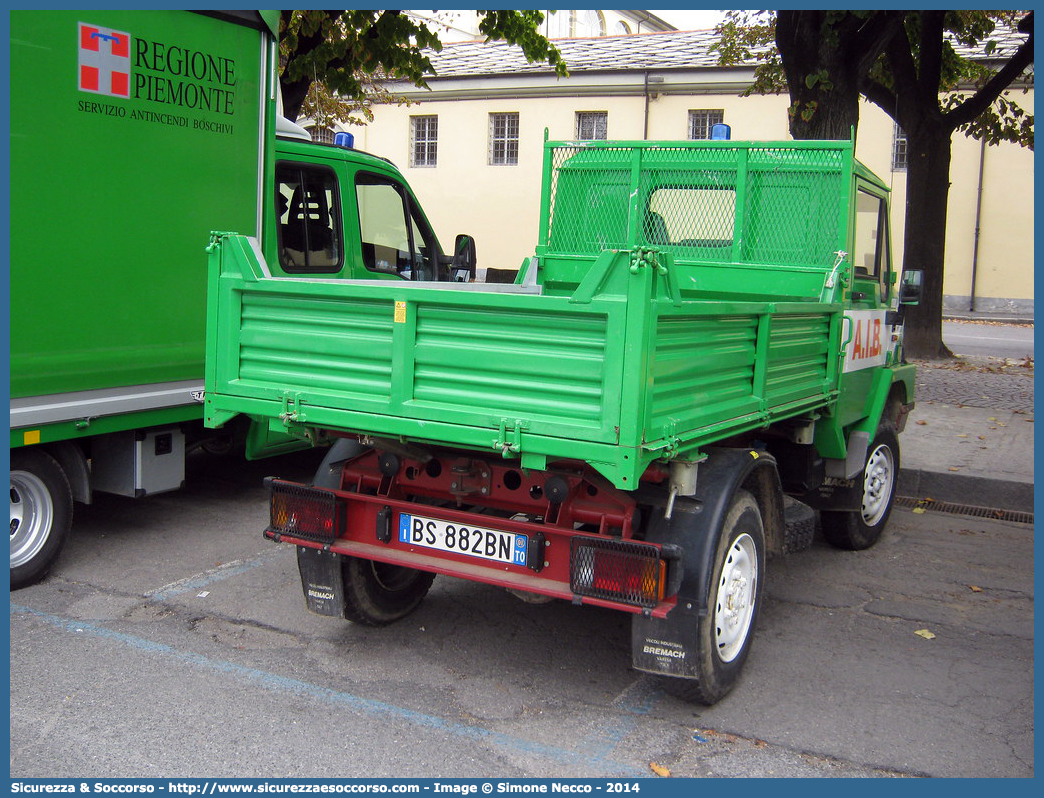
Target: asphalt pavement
[(989, 337), (171, 640)]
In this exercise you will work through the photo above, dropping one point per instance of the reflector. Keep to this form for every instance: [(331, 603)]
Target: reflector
[(617, 570), (305, 513)]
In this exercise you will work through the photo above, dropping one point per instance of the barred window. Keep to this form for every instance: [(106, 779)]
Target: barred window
[(701, 122), (323, 135), (592, 125), (900, 152), (424, 140), (503, 139)]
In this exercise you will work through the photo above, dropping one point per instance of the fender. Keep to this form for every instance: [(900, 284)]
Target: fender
[(668, 645), (328, 475), (74, 463)]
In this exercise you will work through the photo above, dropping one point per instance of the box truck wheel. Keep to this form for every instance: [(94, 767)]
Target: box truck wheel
[(41, 514), (861, 529), (376, 593), (726, 630)]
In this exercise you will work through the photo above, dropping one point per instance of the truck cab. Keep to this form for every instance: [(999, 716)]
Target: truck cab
[(344, 214)]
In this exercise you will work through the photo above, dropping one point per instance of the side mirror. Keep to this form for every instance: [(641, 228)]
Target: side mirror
[(912, 288), (463, 264)]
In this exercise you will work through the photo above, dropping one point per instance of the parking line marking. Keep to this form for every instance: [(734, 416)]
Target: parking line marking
[(223, 571), (637, 699), (365, 706)]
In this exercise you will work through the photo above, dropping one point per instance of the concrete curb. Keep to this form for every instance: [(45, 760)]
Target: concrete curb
[(1000, 494), (1000, 318)]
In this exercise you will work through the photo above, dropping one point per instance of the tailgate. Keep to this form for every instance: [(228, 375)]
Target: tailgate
[(478, 368)]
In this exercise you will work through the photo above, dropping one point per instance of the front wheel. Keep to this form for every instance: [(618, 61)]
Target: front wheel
[(860, 529), (41, 514), (725, 632), (377, 594)]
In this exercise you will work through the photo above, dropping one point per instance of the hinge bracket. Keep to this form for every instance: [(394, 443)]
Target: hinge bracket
[(509, 439), (291, 411)]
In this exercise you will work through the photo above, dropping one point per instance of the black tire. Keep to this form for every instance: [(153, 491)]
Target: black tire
[(725, 633), (855, 530), (41, 514), (377, 594)]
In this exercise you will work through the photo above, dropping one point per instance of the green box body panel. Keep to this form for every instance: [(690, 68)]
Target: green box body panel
[(632, 345), (133, 135)]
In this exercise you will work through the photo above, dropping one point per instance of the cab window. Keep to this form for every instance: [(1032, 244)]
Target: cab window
[(871, 240), (395, 238), (309, 221)]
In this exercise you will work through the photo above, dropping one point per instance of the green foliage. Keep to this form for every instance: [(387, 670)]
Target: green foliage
[(749, 37), (1002, 121), (324, 107)]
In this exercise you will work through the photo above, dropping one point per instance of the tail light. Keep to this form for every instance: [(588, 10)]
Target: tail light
[(617, 570), (307, 513)]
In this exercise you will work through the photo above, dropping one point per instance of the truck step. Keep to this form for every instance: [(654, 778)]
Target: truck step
[(800, 525)]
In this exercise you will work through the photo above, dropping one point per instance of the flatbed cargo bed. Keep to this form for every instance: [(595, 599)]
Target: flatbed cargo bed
[(617, 377)]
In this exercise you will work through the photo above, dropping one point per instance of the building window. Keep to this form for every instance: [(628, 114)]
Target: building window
[(622, 29), (592, 125), (503, 139), (900, 152), (589, 23), (323, 135), (701, 122), (558, 24), (424, 140)]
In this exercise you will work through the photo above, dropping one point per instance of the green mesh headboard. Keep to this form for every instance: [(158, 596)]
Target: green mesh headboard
[(701, 201)]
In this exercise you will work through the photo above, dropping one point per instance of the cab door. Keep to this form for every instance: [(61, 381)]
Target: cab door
[(395, 239), (868, 337)]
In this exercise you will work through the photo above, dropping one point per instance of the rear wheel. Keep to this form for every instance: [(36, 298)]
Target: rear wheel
[(726, 631), (41, 514), (860, 529), (377, 594)]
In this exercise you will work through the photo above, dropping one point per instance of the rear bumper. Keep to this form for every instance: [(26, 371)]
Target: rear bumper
[(558, 562)]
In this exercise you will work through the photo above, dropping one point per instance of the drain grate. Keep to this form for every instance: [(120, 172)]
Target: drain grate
[(965, 509)]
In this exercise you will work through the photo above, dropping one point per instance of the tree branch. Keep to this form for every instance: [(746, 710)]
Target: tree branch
[(881, 96), (904, 73), (931, 45), (878, 32), (984, 97)]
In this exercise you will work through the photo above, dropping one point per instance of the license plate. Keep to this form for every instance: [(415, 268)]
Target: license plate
[(486, 544)]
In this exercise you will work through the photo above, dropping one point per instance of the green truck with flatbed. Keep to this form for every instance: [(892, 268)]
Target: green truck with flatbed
[(703, 353)]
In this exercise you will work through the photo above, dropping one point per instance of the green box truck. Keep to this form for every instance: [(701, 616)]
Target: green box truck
[(704, 350), (167, 129)]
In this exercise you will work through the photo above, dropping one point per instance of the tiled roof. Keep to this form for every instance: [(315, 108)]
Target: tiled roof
[(659, 51), (667, 50)]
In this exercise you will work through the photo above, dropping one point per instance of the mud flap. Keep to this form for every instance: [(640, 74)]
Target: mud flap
[(321, 581), (670, 646), (666, 646)]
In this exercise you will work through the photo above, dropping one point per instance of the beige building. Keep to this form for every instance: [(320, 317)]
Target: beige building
[(471, 147)]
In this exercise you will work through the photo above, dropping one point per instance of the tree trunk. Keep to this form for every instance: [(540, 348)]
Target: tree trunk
[(924, 245), (294, 95), (825, 57), (829, 108)]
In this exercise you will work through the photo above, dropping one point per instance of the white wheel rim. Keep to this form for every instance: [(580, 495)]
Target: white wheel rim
[(878, 480), (32, 514), (734, 603)]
